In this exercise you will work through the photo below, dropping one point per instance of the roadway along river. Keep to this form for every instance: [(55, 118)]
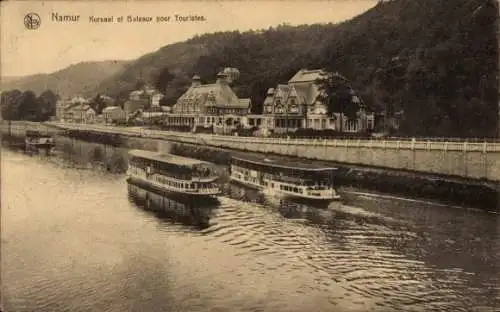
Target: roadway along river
[(74, 239)]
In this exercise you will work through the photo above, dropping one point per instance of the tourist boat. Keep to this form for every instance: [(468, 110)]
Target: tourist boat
[(290, 178), (172, 174), (35, 140)]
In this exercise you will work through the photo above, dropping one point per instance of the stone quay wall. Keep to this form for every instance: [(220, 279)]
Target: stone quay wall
[(459, 159)]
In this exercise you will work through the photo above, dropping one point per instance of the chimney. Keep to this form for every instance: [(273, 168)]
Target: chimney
[(232, 74), (196, 81), (221, 78)]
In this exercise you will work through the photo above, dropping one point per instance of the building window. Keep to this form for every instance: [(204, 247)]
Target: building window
[(370, 124)]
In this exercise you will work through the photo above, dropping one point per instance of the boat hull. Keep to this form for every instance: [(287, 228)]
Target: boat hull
[(40, 145), (295, 197), (177, 194), (172, 208)]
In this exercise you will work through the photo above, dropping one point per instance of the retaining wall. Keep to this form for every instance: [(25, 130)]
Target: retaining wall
[(461, 159)]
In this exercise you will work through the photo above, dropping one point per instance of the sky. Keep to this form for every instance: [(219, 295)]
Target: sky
[(55, 45)]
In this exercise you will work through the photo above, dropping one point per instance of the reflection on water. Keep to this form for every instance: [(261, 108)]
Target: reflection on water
[(173, 208), (77, 237)]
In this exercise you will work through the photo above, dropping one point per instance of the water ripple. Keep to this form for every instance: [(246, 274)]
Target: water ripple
[(89, 247)]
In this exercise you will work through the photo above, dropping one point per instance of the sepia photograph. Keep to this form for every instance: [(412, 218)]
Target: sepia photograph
[(257, 156)]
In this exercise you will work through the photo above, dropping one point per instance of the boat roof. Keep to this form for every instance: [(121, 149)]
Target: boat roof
[(36, 133), (167, 158), (282, 163)]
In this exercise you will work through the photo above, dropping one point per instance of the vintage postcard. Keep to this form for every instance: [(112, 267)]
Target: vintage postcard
[(226, 156)]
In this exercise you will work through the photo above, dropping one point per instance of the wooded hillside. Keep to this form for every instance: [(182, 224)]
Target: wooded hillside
[(435, 59), (82, 78)]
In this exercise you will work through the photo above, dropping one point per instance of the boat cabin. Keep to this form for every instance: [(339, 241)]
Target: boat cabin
[(315, 177), (174, 166)]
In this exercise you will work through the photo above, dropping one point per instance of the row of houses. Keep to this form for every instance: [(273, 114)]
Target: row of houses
[(298, 103), (79, 109)]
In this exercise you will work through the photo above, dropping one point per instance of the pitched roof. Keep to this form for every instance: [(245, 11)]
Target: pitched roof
[(71, 105), (244, 102), (302, 94), (78, 99), (302, 85), (82, 108), (107, 99), (111, 108), (137, 92), (78, 107), (306, 75), (221, 94)]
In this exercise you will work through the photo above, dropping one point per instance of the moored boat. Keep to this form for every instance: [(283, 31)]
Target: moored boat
[(290, 178), (35, 140), (173, 174)]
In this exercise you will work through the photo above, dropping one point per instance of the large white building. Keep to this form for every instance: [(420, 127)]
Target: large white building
[(213, 104), (302, 104)]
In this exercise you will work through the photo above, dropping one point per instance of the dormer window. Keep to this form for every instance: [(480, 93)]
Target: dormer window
[(269, 109), (280, 109), (294, 109)]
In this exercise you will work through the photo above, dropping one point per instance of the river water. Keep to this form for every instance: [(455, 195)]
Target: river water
[(76, 237)]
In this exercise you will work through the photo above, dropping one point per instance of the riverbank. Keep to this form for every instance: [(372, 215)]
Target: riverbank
[(462, 160), (450, 190)]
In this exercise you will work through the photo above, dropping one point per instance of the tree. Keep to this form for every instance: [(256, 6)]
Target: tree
[(28, 107), (47, 102), (120, 101), (389, 81), (163, 79), (10, 104), (338, 93), (140, 84), (98, 104)]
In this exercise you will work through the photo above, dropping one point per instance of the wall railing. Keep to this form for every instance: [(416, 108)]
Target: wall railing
[(394, 143)]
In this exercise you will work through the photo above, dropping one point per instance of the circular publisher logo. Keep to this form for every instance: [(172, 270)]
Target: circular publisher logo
[(32, 21)]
